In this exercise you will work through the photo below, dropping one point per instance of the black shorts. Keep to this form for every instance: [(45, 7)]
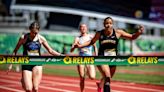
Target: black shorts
[(112, 66), (29, 67)]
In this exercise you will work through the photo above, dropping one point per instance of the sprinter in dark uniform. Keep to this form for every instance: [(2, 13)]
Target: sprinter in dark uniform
[(108, 47), (108, 44), (32, 74), (108, 39)]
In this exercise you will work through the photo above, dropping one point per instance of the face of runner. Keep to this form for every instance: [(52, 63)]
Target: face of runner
[(108, 23), (83, 28), (34, 29)]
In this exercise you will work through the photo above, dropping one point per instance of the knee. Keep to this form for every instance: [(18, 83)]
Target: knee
[(28, 89), (107, 74), (92, 77)]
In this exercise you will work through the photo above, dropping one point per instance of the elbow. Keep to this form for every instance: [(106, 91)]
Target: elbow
[(71, 50), (133, 37), (50, 51), (91, 43)]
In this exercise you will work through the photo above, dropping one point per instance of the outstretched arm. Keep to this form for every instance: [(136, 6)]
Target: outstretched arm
[(49, 49), (88, 43), (95, 49), (134, 36), (20, 42), (74, 43)]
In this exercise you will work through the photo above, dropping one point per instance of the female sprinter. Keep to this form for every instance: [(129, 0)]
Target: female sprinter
[(32, 74), (108, 41), (85, 51)]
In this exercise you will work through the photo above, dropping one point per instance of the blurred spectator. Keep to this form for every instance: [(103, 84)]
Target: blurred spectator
[(154, 15)]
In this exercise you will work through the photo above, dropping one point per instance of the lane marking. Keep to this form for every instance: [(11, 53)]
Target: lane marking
[(11, 89), (44, 87), (92, 83), (50, 82)]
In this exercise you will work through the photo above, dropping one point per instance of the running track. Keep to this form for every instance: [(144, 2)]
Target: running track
[(11, 83)]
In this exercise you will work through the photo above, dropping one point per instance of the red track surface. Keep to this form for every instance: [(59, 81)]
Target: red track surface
[(11, 83)]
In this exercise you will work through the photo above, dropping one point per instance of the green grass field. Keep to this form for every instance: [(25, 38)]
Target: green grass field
[(148, 74)]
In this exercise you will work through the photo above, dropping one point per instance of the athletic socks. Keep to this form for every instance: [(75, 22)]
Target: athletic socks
[(107, 84)]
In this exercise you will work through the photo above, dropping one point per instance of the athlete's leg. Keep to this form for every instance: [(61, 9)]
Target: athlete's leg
[(105, 81), (27, 80), (102, 74), (81, 70), (91, 71), (101, 83), (112, 70), (37, 76), (17, 68)]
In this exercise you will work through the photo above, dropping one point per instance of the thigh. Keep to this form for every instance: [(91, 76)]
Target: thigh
[(36, 75), (91, 71), (27, 79), (105, 70), (112, 69), (81, 70), (100, 70)]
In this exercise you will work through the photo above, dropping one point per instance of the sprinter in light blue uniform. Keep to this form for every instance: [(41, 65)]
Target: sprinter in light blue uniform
[(85, 51)]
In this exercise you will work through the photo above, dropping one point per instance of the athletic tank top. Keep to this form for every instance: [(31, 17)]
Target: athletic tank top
[(108, 44), (85, 51), (31, 48)]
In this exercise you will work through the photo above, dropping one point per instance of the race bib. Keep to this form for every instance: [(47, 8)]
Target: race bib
[(33, 53), (85, 50), (110, 52)]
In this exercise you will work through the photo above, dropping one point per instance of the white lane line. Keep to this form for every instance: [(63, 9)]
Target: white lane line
[(93, 83), (9, 81), (11, 89), (44, 87), (73, 85), (52, 83), (115, 85), (56, 89), (138, 88)]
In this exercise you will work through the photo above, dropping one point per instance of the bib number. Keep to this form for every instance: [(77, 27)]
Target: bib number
[(32, 53), (109, 52)]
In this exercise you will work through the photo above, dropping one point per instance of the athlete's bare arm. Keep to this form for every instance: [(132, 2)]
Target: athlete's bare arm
[(88, 43), (20, 42), (76, 41), (95, 49), (126, 35), (48, 48)]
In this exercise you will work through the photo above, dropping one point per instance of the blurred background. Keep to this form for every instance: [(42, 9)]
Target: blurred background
[(60, 19)]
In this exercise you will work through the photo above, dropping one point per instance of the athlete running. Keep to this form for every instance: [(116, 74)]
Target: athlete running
[(85, 51), (32, 74), (108, 41)]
